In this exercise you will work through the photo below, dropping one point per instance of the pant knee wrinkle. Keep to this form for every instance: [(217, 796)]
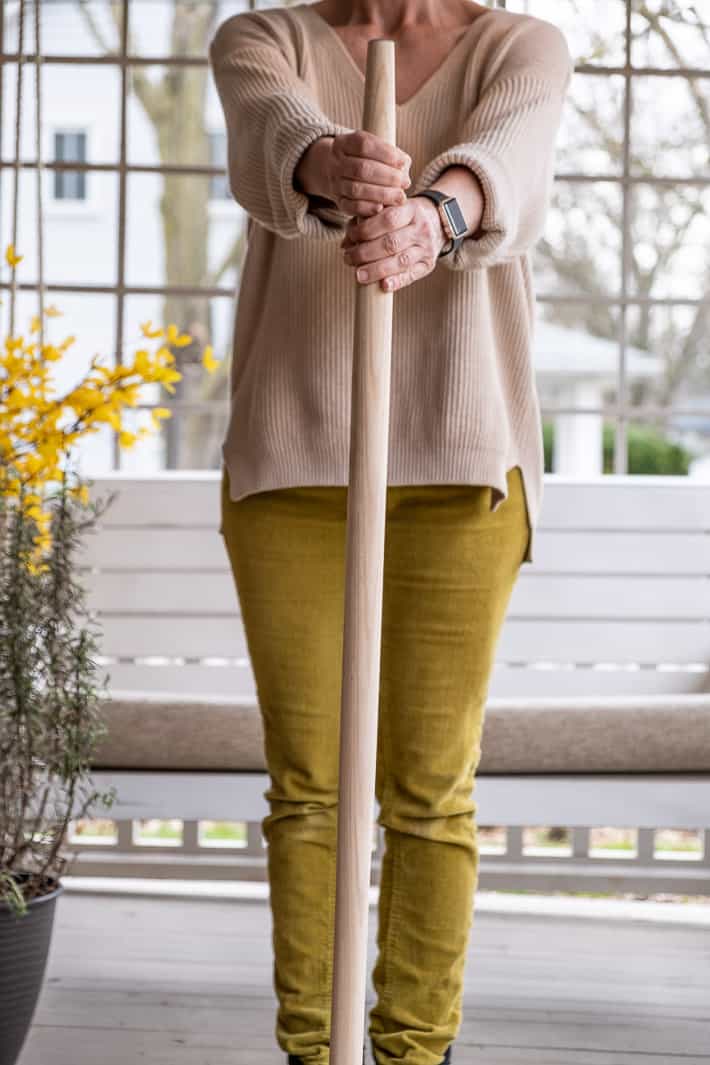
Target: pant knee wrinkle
[(330, 938), (394, 917)]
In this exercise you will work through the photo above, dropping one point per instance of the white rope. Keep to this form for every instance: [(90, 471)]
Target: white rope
[(38, 148), (16, 169)]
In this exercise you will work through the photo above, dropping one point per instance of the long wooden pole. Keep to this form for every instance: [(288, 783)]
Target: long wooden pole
[(364, 564)]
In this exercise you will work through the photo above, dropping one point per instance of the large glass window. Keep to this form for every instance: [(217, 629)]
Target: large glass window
[(132, 130)]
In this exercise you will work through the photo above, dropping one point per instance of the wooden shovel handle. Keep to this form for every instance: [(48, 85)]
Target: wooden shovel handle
[(365, 540)]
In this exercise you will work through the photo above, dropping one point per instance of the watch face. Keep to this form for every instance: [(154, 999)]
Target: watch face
[(456, 218)]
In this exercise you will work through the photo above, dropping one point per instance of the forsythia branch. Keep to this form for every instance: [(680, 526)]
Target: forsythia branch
[(39, 428)]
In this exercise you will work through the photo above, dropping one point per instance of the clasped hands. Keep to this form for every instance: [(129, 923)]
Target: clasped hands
[(389, 238)]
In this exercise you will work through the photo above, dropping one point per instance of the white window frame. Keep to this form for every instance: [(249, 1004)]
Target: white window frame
[(94, 203)]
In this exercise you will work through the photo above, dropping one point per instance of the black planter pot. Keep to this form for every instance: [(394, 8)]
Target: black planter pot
[(24, 946)]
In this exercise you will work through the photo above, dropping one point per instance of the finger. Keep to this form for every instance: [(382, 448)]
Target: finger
[(393, 216), (393, 264), (370, 193), (373, 172), (347, 241), (397, 281), (355, 218), (360, 208), (363, 143), (393, 242)]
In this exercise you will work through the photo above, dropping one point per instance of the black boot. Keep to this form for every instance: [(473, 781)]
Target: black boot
[(446, 1060)]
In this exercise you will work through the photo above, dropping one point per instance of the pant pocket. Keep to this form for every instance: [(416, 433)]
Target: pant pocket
[(516, 487)]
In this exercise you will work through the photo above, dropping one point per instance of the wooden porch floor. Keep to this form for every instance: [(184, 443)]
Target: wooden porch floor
[(161, 981)]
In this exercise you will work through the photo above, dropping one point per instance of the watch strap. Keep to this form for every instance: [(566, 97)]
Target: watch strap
[(440, 198)]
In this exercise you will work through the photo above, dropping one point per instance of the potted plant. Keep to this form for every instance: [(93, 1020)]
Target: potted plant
[(50, 688), (49, 724)]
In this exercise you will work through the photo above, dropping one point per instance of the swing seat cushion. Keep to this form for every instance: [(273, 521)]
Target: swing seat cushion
[(624, 734)]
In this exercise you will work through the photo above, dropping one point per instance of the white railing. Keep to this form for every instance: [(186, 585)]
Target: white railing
[(575, 867)]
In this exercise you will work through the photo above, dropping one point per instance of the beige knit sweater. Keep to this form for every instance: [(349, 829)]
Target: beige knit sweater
[(464, 407)]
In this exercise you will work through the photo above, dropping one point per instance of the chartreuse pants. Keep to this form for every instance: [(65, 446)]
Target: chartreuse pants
[(449, 568)]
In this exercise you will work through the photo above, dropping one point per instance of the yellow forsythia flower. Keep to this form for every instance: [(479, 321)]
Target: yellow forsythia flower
[(81, 492), (148, 330), (11, 258), (208, 360), (178, 340)]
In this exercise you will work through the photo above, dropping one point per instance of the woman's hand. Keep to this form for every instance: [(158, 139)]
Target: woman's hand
[(397, 246), (365, 173)]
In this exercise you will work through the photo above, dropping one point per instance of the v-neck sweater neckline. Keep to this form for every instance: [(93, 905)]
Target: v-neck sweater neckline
[(330, 34)]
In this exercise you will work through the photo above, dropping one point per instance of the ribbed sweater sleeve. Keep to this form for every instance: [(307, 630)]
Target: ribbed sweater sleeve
[(271, 118), (508, 140)]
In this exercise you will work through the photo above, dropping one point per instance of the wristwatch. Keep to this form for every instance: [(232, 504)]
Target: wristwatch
[(452, 218)]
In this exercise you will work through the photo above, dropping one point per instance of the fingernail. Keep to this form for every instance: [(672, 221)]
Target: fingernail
[(362, 274)]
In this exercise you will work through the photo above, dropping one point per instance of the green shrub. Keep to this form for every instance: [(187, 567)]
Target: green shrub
[(649, 451)]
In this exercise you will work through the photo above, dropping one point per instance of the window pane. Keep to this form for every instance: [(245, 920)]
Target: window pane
[(75, 100), (70, 147), (219, 184), (166, 28), (585, 331), (90, 318), (669, 35), (595, 29), (156, 94), (677, 338), (168, 218), (580, 251), (670, 238), (70, 185), (67, 27), (670, 126), (79, 235), (192, 438), (590, 140)]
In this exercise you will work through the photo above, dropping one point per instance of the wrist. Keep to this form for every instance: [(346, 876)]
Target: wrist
[(437, 221), (460, 181), (312, 173)]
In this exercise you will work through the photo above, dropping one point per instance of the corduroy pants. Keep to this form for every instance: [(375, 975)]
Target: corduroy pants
[(449, 569)]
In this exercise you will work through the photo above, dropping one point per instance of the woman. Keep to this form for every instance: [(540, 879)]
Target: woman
[(479, 97)]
